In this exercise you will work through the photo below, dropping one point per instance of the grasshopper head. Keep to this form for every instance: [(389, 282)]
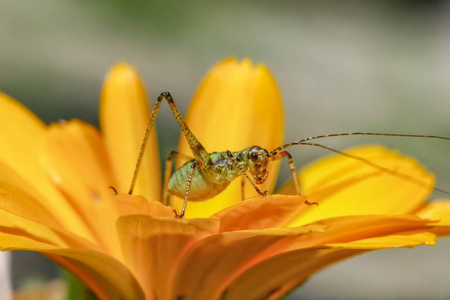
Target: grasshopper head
[(257, 161)]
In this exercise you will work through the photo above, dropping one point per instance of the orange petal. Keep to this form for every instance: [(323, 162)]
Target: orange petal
[(21, 137), (124, 114), (152, 247), (237, 105), (344, 186), (74, 158), (214, 262), (353, 228), (439, 211), (258, 213), (106, 276), (293, 267), (282, 273), (132, 205)]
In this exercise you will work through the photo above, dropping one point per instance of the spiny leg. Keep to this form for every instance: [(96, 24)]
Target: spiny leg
[(198, 150), (188, 186), (282, 154), (168, 173), (233, 160)]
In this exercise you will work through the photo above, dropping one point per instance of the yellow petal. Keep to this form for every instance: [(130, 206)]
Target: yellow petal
[(22, 227), (22, 214), (74, 158), (439, 211), (124, 114), (21, 136), (344, 186), (106, 276), (237, 105), (258, 213), (20, 203), (391, 241), (152, 247)]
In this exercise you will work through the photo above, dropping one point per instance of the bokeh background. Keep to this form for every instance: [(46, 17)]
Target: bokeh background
[(380, 66)]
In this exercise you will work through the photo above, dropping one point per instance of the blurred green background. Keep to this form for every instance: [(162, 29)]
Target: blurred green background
[(380, 66)]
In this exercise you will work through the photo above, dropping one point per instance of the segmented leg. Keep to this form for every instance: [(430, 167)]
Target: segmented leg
[(188, 186), (200, 153), (233, 160), (168, 173), (282, 154)]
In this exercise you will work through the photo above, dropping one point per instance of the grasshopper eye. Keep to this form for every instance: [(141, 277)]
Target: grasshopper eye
[(254, 156)]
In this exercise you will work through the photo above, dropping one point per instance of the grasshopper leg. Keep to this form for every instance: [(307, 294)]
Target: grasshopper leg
[(284, 153), (168, 173), (233, 160), (194, 165)]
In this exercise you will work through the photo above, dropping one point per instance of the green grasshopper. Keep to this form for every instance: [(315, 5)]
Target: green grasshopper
[(208, 174)]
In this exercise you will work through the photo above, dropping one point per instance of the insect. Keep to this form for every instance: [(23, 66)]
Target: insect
[(208, 174)]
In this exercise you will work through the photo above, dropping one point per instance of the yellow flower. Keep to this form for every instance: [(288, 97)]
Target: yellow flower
[(54, 198)]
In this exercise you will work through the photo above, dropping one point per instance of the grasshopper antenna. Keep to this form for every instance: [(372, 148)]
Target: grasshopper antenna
[(302, 141), (378, 167)]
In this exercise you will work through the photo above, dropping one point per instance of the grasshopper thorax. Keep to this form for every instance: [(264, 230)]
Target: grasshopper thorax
[(257, 161)]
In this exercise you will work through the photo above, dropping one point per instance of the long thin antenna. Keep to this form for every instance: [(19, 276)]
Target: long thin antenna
[(378, 167), (276, 150)]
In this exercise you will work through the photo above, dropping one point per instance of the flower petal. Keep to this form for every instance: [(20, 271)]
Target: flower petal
[(258, 213), (132, 205), (293, 267), (347, 229), (23, 215), (281, 273), (17, 202), (22, 227), (404, 240), (124, 116), (344, 186), (242, 107), (439, 211), (74, 158), (214, 262), (21, 137), (106, 276), (152, 247)]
